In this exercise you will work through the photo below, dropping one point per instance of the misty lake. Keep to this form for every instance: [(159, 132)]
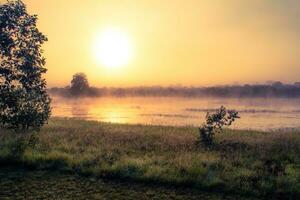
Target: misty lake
[(256, 113)]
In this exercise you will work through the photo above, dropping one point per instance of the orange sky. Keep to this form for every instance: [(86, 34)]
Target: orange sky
[(187, 42)]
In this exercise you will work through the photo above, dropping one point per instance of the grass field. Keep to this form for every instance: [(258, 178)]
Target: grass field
[(242, 162), (26, 185)]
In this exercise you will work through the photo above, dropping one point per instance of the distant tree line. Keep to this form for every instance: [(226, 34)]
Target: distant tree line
[(79, 87)]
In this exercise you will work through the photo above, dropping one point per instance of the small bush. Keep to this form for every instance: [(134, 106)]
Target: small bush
[(215, 123), (21, 143)]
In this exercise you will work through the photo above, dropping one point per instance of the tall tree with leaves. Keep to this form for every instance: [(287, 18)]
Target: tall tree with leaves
[(24, 102)]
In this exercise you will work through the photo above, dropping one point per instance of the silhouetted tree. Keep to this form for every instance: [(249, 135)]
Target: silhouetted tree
[(79, 85), (277, 84), (24, 102)]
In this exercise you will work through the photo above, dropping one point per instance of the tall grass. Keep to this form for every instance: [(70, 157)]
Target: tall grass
[(248, 162)]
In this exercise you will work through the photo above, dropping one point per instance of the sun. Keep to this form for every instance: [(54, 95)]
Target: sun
[(112, 48)]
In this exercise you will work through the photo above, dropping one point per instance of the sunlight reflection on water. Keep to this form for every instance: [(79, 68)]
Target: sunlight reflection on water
[(256, 113)]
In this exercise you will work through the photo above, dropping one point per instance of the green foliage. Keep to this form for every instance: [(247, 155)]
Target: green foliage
[(215, 123), (24, 102)]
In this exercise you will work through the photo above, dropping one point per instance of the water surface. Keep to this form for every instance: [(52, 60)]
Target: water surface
[(256, 113)]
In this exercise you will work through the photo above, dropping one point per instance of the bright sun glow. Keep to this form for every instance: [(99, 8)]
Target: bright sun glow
[(112, 48)]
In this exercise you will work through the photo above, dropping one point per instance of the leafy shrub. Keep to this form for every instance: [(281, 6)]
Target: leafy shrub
[(215, 123), (21, 143)]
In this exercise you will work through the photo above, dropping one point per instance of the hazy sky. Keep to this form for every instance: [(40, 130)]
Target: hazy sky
[(187, 42)]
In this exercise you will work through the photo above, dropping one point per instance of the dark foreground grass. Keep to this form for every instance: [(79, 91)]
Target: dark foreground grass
[(243, 162), (25, 185)]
